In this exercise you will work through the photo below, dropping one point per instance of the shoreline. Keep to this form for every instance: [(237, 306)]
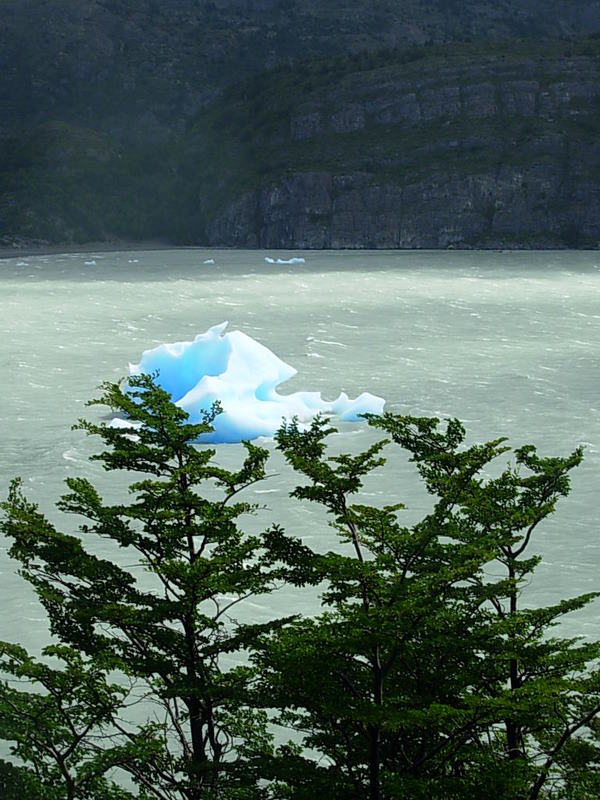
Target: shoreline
[(22, 251)]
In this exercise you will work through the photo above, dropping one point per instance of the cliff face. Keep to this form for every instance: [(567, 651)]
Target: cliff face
[(508, 209), (502, 152), (279, 123)]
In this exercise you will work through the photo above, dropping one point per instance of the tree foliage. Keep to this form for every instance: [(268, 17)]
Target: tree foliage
[(423, 676), (169, 628)]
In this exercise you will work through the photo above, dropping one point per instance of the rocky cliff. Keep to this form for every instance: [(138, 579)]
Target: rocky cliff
[(498, 151), (277, 123)]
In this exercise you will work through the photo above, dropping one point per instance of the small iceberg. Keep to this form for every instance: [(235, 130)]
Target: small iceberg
[(243, 375), (295, 260)]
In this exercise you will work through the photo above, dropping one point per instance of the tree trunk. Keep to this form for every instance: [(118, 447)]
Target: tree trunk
[(513, 729), (375, 732)]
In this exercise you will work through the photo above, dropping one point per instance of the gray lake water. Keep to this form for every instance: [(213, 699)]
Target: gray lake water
[(507, 342)]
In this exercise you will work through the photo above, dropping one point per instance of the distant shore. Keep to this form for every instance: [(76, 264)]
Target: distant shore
[(41, 249)]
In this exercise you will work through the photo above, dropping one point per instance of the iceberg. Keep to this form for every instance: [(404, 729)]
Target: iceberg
[(295, 260), (243, 375)]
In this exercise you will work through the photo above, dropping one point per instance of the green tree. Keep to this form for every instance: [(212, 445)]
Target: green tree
[(60, 729), (169, 626), (423, 677)]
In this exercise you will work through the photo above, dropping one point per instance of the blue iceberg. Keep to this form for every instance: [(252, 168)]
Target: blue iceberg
[(243, 375)]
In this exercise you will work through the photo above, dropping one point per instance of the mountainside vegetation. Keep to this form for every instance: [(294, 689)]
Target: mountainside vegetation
[(279, 123)]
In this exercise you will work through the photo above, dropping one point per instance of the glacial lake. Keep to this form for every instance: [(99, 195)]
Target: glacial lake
[(508, 342)]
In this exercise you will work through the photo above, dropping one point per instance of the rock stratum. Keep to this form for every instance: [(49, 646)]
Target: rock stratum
[(301, 125), (499, 152)]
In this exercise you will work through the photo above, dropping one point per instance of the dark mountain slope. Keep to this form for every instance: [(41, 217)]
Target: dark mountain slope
[(459, 146), (219, 121), (130, 66)]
